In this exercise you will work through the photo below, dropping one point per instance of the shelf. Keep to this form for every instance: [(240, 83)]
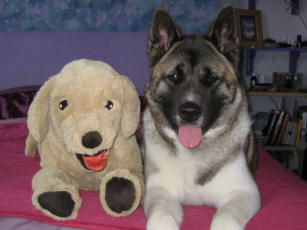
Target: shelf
[(274, 49), (276, 94), (250, 53), (286, 148)]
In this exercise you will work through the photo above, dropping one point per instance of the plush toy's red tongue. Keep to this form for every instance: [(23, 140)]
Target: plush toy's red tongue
[(96, 162), (189, 136)]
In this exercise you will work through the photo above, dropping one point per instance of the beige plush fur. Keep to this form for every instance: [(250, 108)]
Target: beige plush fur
[(87, 87)]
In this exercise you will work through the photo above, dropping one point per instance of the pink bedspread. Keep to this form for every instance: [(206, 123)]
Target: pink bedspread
[(284, 195)]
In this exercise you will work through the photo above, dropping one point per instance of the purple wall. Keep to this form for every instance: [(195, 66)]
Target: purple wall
[(30, 58)]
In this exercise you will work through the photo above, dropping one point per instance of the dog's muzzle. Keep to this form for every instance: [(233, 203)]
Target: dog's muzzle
[(189, 111), (189, 135)]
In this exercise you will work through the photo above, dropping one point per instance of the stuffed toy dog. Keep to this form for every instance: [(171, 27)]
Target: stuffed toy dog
[(83, 121)]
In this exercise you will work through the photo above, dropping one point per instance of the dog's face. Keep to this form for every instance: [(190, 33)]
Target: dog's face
[(85, 106), (194, 77)]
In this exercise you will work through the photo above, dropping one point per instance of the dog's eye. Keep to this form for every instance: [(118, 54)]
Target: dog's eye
[(63, 104), (109, 105), (175, 78), (208, 80)]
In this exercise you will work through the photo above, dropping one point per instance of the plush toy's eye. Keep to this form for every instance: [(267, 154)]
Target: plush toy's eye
[(109, 105), (63, 104)]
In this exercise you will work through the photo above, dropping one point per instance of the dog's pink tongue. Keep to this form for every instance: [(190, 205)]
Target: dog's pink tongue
[(189, 136)]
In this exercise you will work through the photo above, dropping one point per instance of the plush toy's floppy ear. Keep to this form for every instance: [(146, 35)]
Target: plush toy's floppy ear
[(223, 34), (37, 114), (131, 111)]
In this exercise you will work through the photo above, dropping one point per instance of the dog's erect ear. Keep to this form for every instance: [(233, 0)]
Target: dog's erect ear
[(131, 111), (162, 35), (37, 114), (223, 34)]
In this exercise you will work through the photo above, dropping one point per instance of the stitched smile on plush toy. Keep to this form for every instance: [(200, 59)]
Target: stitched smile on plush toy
[(95, 162)]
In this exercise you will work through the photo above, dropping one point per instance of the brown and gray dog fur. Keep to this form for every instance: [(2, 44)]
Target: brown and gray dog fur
[(195, 82)]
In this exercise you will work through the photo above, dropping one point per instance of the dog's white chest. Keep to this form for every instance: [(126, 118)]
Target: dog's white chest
[(174, 169), (177, 169)]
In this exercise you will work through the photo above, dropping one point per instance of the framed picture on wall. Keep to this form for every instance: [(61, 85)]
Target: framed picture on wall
[(249, 27)]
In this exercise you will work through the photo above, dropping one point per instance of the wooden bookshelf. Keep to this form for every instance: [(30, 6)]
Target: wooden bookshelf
[(286, 148), (276, 94), (250, 53)]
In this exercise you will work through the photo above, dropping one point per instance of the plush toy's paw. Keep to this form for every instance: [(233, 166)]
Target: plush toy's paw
[(54, 194), (120, 194), (59, 203)]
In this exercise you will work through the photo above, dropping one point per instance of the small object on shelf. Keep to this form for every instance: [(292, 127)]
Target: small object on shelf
[(287, 82), (269, 42), (283, 45), (296, 79), (299, 41), (253, 81), (304, 44), (277, 80), (265, 87), (303, 108)]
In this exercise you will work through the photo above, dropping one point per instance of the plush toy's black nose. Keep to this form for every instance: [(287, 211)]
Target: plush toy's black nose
[(91, 139), (189, 111)]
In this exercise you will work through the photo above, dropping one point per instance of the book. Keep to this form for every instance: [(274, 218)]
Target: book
[(304, 117), (277, 127), (299, 131), (293, 133), (266, 128), (274, 116), (282, 129), (288, 133)]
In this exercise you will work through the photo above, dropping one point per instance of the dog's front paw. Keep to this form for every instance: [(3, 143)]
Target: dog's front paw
[(120, 194), (162, 221), (59, 203), (225, 222)]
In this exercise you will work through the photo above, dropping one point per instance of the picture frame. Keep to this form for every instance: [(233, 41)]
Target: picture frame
[(249, 27)]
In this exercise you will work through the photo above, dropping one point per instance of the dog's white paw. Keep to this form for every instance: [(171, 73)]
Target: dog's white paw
[(162, 221), (225, 222), (226, 226)]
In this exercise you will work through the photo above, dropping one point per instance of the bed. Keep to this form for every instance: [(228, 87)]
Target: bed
[(283, 194)]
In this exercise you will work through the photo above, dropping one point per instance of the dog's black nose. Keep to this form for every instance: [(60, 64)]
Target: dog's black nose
[(189, 111), (91, 139)]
